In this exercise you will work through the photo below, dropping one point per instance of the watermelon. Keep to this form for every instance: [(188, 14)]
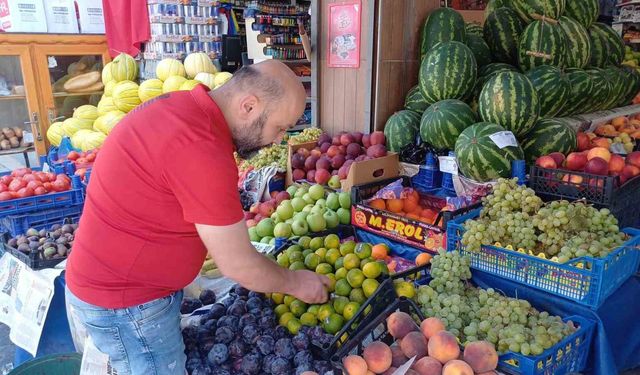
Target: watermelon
[(480, 49), (502, 30), (509, 99), (492, 5), (578, 51), (581, 87), (473, 28), (544, 38), (528, 9), (479, 158), (415, 100), (632, 78), (552, 86), (547, 136), (442, 123), (613, 41), (583, 11), (448, 72), (600, 94), (495, 68), (401, 129), (619, 83), (442, 25)]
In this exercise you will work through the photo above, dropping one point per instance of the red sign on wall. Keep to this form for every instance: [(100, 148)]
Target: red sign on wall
[(344, 35)]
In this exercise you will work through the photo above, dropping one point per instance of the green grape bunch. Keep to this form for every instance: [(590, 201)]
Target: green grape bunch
[(307, 135)]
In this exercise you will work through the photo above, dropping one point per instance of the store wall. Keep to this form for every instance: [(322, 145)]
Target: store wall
[(399, 23), (345, 93)]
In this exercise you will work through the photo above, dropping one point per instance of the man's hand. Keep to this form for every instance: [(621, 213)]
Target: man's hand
[(310, 287)]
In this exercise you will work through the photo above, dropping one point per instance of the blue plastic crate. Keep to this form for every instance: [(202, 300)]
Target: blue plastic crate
[(19, 224), (585, 280), (74, 196)]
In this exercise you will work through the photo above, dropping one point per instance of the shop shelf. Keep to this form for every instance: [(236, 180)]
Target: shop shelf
[(585, 280), (601, 191), (19, 224)]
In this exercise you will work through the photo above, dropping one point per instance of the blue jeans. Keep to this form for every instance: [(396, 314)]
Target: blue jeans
[(140, 340)]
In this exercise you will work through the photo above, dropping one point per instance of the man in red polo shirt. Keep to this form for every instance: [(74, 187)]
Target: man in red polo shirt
[(163, 193)]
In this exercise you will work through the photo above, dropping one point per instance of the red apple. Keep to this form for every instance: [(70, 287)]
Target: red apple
[(282, 196), (337, 161), (324, 138), (357, 136), (634, 159), (378, 138), (342, 149), (597, 166), (323, 163), (546, 162), (558, 157), (298, 174), (310, 163), (249, 215), (267, 208), (333, 151), (311, 175), (346, 139), (258, 218), (584, 143), (322, 176), (250, 223), (315, 152), (335, 140), (297, 161), (366, 140), (576, 161), (325, 147), (254, 209), (377, 151), (354, 149), (599, 152), (616, 164), (303, 151), (572, 179)]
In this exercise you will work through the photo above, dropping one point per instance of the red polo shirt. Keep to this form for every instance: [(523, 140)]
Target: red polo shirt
[(166, 165)]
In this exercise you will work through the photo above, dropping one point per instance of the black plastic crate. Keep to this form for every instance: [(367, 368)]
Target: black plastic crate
[(601, 191), (374, 330)]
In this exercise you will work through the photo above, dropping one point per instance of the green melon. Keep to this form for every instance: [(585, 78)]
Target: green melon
[(578, 51), (600, 94), (480, 49), (401, 129), (442, 123), (479, 158), (599, 48), (442, 25), (547, 136), (553, 88), (583, 11), (492, 5), (527, 9), (546, 41), (619, 83), (509, 99), (633, 85), (502, 30), (415, 100), (613, 41), (473, 28), (448, 72), (581, 87)]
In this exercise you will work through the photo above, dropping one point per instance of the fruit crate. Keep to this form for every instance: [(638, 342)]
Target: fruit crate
[(410, 232), (375, 330), (18, 224), (72, 197), (33, 260), (601, 191), (585, 280)]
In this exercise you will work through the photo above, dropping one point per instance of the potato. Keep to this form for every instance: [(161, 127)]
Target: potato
[(18, 131), (15, 143), (5, 145), (8, 132)]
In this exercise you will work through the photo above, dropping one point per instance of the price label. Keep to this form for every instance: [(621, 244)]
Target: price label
[(618, 148), (27, 137), (448, 164), (504, 139)]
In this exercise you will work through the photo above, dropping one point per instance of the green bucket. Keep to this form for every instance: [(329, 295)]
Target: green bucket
[(55, 364)]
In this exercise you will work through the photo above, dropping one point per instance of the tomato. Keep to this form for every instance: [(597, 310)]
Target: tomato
[(73, 155), (64, 178), (40, 190), (51, 176), (5, 196), (91, 158), (34, 184), (25, 192), (42, 177), (17, 184), (3, 187), (29, 177), (6, 179), (81, 172), (60, 185), (48, 186)]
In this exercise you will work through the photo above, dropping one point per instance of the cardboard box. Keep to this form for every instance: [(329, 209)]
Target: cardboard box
[(22, 16), (362, 172), (61, 16), (91, 16)]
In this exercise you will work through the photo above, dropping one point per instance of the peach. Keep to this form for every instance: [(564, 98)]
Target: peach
[(346, 139), (606, 130), (315, 152), (558, 157), (616, 164), (634, 159), (457, 367), (599, 152), (378, 356), (355, 365), (378, 138), (311, 175), (630, 171), (310, 163), (414, 344), (427, 366), (266, 209), (443, 346), (619, 121), (597, 166), (398, 358), (399, 324), (335, 140), (584, 142), (591, 135), (322, 176), (601, 142), (366, 140), (572, 179), (333, 151), (303, 151), (546, 162), (377, 151), (298, 174), (431, 326), (576, 161), (629, 129), (481, 356), (325, 147)]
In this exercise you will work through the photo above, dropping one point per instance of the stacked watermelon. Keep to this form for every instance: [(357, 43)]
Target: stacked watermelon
[(531, 61)]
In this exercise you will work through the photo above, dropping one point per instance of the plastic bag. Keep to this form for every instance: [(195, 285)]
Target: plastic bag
[(256, 184)]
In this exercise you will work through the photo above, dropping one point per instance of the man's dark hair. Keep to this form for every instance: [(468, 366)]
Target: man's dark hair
[(249, 78)]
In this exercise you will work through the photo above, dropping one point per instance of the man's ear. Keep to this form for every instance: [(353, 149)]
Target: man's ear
[(248, 104)]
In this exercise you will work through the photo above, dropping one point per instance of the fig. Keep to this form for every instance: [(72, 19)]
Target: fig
[(62, 250), (22, 240), (32, 232), (13, 242), (55, 227), (75, 227), (62, 241), (42, 233), (42, 240), (33, 238), (34, 245), (67, 228), (24, 247)]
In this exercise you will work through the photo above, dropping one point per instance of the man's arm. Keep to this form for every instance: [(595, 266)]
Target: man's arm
[(238, 260)]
